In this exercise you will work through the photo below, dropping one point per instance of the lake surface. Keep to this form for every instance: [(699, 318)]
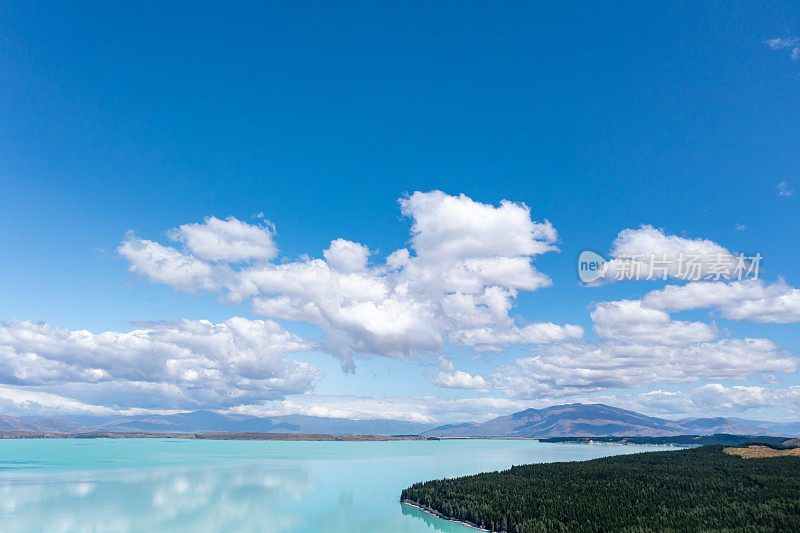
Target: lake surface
[(153, 485)]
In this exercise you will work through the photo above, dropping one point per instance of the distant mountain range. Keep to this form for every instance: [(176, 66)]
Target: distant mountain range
[(573, 420), (598, 420), (10, 423), (205, 421)]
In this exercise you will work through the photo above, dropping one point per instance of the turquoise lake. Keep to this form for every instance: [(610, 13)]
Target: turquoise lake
[(153, 485)]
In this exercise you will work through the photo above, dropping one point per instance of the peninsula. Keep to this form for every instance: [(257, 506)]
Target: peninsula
[(704, 488)]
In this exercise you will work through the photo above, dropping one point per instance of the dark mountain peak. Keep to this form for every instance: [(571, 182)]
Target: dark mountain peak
[(576, 409), (526, 413), (707, 420), (455, 426)]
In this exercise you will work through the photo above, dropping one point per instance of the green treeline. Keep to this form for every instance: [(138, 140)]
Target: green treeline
[(695, 489)]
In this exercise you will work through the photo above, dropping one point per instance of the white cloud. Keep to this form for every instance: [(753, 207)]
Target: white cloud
[(361, 312), (424, 409), (714, 396), (490, 339), (229, 240), (640, 346), (648, 253), (781, 42), (461, 380), (181, 364), (22, 401), (167, 265), (750, 300), (458, 280), (350, 407), (783, 187), (457, 283), (718, 398), (346, 256), (629, 321), (582, 368), (450, 228)]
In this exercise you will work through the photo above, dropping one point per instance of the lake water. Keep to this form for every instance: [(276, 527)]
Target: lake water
[(152, 485)]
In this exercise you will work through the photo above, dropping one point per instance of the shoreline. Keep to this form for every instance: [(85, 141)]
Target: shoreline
[(236, 435), (683, 441), (212, 435), (263, 436), (436, 514)]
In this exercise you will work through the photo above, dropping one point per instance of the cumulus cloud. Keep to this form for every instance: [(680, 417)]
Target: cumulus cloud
[(718, 398), (717, 279), (180, 364), (638, 346), (491, 339), (456, 282), (461, 380), (641, 345), (23, 401), (648, 253), (456, 227), (229, 240), (167, 265), (582, 368), (630, 321), (428, 408), (361, 312), (346, 256), (751, 300)]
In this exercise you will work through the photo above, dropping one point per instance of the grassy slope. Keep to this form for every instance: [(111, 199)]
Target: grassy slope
[(687, 490)]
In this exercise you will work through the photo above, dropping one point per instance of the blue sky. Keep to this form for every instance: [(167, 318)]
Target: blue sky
[(125, 122)]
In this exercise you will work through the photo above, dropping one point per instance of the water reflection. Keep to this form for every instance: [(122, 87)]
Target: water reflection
[(242, 498)]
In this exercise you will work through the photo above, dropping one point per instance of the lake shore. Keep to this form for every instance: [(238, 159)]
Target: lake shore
[(248, 435), (436, 514), (312, 437)]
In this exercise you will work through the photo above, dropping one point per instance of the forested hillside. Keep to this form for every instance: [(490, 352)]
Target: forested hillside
[(687, 490)]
